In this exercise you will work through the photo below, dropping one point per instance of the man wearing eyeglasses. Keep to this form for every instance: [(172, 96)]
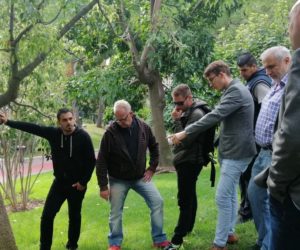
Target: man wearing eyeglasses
[(235, 112), (188, 161), (121, 166)]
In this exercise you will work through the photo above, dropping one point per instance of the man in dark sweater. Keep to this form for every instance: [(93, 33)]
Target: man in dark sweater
[(121, 166), (73, 164), (259, 84)]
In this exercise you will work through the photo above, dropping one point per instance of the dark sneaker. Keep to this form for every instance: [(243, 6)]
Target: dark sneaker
[(172, 246)]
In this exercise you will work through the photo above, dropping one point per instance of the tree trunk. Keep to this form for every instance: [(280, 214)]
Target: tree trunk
[(101, 109), (157, 104), (7, 240), (76, 114)]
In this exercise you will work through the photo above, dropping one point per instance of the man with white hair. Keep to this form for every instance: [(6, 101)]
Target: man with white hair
[(121, 166), (284, 174), (276, 61)]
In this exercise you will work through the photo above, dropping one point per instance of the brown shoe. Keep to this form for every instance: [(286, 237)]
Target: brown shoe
[(215, 247), (232, 239)]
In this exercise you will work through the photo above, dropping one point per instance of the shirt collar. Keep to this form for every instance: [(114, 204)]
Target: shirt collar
[(282, 82)]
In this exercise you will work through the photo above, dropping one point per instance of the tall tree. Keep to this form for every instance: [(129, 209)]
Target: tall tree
[(7, 240), (26, 20), (156, 34)]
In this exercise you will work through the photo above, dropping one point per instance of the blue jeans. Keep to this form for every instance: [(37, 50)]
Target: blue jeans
[(259, 200), (226, 197), (118, 192), (285, 225)]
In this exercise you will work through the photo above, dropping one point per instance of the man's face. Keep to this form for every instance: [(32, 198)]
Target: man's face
[(123, 118), (181, 103), (67, 122), (247, 71), (216, 81), (276, 68), (294, 31)]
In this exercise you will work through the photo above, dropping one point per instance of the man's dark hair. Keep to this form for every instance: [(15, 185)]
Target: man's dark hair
[(63, 111), (182, 90), (216, 68), (246, 59)]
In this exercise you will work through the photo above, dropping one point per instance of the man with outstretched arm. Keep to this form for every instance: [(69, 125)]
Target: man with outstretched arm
[(73, 160)]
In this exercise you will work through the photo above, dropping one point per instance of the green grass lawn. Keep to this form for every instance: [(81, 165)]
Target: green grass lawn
[(136, 218)]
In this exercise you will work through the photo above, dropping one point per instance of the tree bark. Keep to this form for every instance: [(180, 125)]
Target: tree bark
[(7, 240), (157, 105), (101, 109)]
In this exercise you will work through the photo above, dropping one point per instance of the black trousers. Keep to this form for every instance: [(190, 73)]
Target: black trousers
[(58, 193), (187, 176), (245, 209)]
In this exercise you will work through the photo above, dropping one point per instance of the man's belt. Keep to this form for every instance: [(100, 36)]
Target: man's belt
[(267, 147)]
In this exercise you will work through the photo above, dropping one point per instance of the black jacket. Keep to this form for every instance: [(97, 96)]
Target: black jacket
[(73, 155), (114, 159), (190, 150)]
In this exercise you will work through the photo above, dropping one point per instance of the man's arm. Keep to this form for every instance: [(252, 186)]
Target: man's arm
[(230, 102), (153, 150), (102, 165), (195, 116), (260, 91), (286, 157), (31, 128)]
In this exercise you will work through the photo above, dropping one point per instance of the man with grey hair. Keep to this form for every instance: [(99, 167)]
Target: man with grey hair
[(121, 166), (284, 174), (276, 61)]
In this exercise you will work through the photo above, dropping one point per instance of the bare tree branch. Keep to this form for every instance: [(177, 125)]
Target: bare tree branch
[(127, 36), (28, 28), (18, 75), (107, 19), (13, 55), (42, 56), (56, 16), (78, 59), (79, 15), (155, 14), (22, 33), (35, 109), (27, 70), (155, 8)]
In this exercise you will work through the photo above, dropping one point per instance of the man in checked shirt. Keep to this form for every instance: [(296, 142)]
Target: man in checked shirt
[(276, 61)]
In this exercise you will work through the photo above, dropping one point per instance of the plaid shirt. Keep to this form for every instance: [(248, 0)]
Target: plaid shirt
[(264, 129)]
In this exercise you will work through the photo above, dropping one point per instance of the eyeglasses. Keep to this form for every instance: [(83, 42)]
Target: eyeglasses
[(211, 79), (181, 103), (122, 119)]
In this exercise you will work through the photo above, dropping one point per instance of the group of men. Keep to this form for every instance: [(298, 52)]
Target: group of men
[(258, 130), (272, 114)]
